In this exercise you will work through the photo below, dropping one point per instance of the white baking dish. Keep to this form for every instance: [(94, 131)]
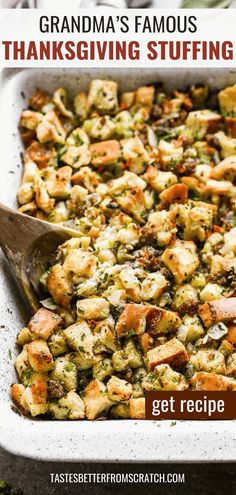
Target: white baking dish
[(82, 440)]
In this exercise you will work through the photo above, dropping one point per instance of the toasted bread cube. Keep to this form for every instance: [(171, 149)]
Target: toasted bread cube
[(34, 398), (57, 411), (120, 360), (94, 308), (128, 180), (136, 318), (201, 122), (209, 360), (79, 263), (196, 218), (164, 378), (177, 193), (25, 193), (211, 292), (135, 154), (65, 372), (103, 96), (231, 365), (225, 169), (181, 259), (75, 405), (220, 187), (223, 309), (161, 226), (22, 364), (133, 201), (82, 362), (58, 182), (158, 179), (169, 153), (211, 381), (42, 198), (145, 95), (119, 390), (51, 129), (153, 286), (17, 391), (58, 286), (172, 352), (77, 156), (39, 355), (137, 408), (227, 100), (44, 323), (185, 299), (30, 120), (80, 338), (96, 399), (105, 153)]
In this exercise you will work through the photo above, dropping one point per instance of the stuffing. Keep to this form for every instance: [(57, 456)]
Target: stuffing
[(143, 297)]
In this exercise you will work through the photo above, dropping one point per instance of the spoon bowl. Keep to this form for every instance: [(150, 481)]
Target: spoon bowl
[(29, 245)]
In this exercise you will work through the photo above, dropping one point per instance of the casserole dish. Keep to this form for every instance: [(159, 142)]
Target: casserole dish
[(121, 440)]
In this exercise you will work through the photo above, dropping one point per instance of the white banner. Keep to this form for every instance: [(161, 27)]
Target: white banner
[(118, 38)]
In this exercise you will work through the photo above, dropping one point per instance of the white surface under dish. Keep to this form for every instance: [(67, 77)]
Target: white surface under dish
[(97, 441)]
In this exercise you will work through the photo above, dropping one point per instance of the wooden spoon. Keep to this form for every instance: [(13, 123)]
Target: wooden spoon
[(29, 245)]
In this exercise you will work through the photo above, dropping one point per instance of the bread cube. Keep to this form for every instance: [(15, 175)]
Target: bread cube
[(201, 122), (223, 309), (94, 308), (169, 153), (161, 226), (178, 193), (105, 153), (137, 408), (227, 100), (158, 179), (22, 364), (80, 338), (208, 360), (39, 355), (79, 263), (211, 381), (59, 287), (65, 372), (135, 154), (118, 390), (181, 259), (74, 404), (96, 399), (103, 96), (164, 378), (136, 318), (44, 323), (172, 352)]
